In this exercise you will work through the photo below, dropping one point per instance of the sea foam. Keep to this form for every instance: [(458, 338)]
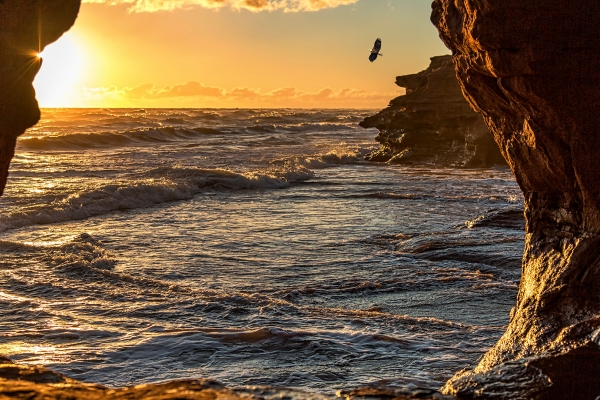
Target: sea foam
[(161, 185)]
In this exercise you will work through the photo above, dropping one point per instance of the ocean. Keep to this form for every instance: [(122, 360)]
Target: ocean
[(253, 247)]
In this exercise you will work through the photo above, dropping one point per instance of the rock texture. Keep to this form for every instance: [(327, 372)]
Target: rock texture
[(26, 27), (432, 123), (532, 69)]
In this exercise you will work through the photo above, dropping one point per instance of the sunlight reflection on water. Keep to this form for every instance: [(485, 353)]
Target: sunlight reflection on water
[(271, 256)]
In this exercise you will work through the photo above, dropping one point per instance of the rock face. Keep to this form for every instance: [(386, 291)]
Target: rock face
[(432, 123), (531, 68), (26, 27)]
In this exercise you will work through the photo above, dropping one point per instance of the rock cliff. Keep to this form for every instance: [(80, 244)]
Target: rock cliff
[(26, 27), (432, 123), (531, 68)]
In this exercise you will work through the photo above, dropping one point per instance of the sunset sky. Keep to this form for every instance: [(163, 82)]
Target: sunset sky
[(236, 53)]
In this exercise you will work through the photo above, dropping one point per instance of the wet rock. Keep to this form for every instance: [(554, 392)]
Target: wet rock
[(572, 374), (26, 27), (530, 68), (432, 123)]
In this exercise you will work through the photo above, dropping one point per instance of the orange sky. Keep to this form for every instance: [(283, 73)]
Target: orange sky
[(236, 53)]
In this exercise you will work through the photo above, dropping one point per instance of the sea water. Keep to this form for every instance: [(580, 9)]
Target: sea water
[(254, 247)]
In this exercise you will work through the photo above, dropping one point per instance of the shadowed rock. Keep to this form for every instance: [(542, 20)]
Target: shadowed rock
[(26, 27), (531, 69), (432, 123)]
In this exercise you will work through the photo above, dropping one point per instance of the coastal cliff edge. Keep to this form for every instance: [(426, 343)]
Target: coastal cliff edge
[(432, 123)]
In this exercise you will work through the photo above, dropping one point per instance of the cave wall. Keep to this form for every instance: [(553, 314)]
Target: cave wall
[(531, 68), (26, 27)]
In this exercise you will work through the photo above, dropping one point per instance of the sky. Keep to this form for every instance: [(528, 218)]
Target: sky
[(236, 53)]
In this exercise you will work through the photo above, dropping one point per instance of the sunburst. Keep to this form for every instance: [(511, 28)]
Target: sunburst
[(62, 68)]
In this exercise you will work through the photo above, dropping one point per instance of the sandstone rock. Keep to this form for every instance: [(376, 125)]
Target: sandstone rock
[(531, 69), (432, 123), (26, 27)]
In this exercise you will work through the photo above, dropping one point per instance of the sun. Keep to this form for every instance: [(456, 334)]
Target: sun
[(61, 72)]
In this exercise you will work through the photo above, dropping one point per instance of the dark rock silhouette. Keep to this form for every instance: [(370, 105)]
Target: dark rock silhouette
[(432, 123), (531, 68), (26, 27)]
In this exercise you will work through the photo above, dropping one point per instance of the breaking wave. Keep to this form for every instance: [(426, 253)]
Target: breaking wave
[(160, 185), (113, 139), (503, 218), (162, 134), (325, 160)]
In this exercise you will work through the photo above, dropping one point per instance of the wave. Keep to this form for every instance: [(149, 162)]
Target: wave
[(114, 139), (318, 127), (414, 280), (16, 247), (301, 127), (160, 185), (268, 333), (505, 218), (463, 247), (159, 134), (492, 218), (329, 115), (325, 160), (174, 120), (85, 259), (320, 359), (82, 252), (397, 196)]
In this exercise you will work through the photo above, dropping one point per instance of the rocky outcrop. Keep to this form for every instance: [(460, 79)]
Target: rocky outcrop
[(26, 27), (531, 68), (432, 123)]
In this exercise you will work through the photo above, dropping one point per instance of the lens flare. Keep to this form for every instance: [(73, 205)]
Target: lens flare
[(62, 69)]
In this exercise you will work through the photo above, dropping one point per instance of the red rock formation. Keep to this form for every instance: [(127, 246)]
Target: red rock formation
[(532, 69), (432, 123), (26, 27)]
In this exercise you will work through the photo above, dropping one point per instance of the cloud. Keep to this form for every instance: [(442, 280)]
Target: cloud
[(197, 93), (139, 91), (244, 93), (190, 89), (252, 5)]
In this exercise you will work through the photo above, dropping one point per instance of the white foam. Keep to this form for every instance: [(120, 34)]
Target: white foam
[(160, 185), (332, 158), (82, 252)]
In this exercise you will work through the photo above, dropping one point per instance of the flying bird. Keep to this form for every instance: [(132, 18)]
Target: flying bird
[(375, 50)]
